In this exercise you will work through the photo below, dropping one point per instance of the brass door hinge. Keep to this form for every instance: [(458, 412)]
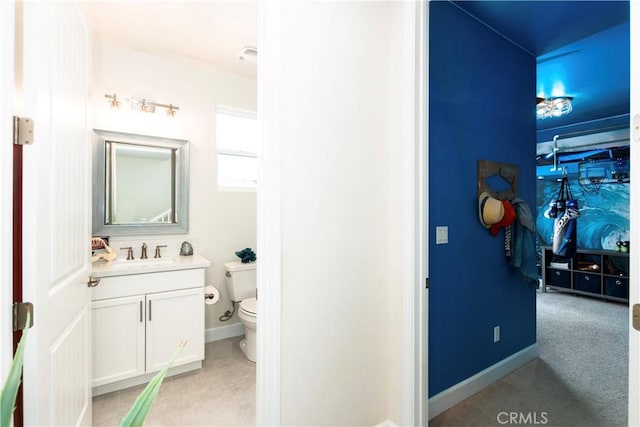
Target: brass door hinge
[(636, 317), (20, 310), (22, 131)]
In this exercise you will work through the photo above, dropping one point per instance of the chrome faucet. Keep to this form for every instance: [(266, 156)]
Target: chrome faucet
[(157, 254), (129, 252), (143, 255)]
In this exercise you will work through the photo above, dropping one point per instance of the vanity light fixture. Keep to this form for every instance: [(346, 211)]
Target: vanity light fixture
[(114, 102), (171, 110), (141, 104), (553, 107)]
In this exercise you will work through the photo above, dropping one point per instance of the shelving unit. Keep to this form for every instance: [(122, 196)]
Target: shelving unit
[(602, 274)]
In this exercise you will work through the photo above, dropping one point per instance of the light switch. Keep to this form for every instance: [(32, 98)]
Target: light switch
[(442, 235)]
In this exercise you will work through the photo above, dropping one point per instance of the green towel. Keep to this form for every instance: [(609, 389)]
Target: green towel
[(246, 255)]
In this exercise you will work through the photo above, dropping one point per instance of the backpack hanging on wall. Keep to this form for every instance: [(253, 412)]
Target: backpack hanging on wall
[(565, 225)]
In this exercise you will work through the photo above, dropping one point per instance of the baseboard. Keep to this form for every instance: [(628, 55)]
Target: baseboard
[(453, 395), (223, 332), (143, 379), (387, 423)]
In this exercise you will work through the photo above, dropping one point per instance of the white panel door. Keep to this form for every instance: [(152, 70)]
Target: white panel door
[(118, 339), (634, 274), (173, 317), (55, 82)]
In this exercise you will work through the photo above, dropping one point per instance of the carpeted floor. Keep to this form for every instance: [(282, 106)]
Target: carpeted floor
[(580, 378)]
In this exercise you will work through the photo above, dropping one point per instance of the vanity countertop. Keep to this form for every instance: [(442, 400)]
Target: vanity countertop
[(152, 265)]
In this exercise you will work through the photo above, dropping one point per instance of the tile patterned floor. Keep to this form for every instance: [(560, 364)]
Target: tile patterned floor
[(223, 392)]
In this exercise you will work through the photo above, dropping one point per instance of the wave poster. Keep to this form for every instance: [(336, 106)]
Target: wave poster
[(604, 214)]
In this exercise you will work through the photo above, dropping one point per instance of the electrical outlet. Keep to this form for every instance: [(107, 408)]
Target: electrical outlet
[(496, 333)]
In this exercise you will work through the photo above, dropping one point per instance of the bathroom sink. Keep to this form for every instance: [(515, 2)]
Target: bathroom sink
[(141, 263), (122, 267)]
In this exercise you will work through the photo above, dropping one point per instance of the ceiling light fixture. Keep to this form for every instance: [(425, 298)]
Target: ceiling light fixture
[(249, 53), (141, 104), (553, 107)]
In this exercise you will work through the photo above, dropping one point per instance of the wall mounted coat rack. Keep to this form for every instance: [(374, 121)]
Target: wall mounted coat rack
[(504, 174)]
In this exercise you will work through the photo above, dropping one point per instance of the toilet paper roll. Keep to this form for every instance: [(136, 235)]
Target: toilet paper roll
[(211, 295)]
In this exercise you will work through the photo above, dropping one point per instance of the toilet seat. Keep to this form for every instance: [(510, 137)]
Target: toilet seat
[(247, 314), (249, 306)]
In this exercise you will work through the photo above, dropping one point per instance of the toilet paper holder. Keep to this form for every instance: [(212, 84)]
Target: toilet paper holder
[(211, 295)]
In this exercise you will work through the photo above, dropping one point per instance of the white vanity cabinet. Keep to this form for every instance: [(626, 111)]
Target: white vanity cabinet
[(173, 317), (118, 339), (139, 320)]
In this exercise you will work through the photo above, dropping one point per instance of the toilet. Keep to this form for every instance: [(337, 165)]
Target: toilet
[(241, 284)]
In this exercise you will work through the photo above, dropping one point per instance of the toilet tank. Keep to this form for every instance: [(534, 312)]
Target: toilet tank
[(240, 279)]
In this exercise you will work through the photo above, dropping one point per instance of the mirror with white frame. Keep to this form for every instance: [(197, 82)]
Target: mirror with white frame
[(140, 184)]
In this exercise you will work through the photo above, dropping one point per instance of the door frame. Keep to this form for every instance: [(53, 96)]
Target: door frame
[(7, 44), (269, 217), (634, 255), (416, 351), (269, 198)]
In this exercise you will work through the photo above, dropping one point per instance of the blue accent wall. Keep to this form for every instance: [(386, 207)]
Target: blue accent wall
[(481, 106)]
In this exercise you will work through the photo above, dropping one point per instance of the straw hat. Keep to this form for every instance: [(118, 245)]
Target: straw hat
[(490, 210)]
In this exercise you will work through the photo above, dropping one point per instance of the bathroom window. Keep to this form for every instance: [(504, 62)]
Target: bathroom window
[(237, 145)]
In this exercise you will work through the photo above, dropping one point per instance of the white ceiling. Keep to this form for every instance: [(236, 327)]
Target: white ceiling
[(208, 30)]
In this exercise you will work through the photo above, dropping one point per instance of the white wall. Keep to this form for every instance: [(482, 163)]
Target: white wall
[(340, 311), (221, 222)]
